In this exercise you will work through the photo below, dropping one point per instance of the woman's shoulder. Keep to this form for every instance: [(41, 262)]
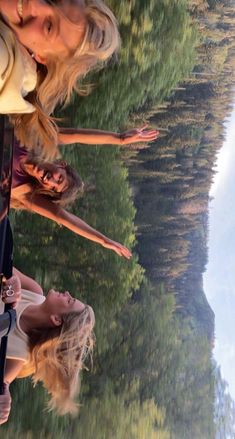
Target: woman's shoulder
[(7, 42), (5, 61), (32, 297), (18, 74), (21, 190)]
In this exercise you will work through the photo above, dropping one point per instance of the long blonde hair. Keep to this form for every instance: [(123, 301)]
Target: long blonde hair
[(58, 355), (60, 77)]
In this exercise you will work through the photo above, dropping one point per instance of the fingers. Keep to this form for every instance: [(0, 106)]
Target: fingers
[(149, 134), (4, 415), (123, 251), (11, 291), (137, 135), (120, 249), (126, 253), (5, 404), (144, 127), (6, 389), (13, 300), (145, 135), (15, 282)]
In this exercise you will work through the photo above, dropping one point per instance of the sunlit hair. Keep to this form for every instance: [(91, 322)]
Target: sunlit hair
[(61, 76), (58, 355)]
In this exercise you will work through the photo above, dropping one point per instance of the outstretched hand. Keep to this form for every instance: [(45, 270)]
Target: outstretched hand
[(120, 249), (139, 135), (5, 404)]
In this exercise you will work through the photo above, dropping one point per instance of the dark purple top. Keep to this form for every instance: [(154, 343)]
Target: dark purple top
[(19, 176)]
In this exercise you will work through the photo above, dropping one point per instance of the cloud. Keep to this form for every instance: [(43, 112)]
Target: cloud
[(224, 353), (219, 280), (225, 158)]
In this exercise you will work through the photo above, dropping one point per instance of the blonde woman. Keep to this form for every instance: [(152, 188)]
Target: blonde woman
[(66, 39), (51, 341)]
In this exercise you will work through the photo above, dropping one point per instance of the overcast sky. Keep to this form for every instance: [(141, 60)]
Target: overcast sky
[(219, 280)]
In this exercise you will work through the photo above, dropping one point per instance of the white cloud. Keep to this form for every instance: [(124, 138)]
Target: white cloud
[(224, 353), (219, 280), (224, 156)]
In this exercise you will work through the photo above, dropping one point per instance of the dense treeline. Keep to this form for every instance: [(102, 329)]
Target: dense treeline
[(152, 33), (153, 375), (179, 170)]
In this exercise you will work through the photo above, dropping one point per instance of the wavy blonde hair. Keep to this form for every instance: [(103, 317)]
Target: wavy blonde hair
[(60, 77), (58, 355)]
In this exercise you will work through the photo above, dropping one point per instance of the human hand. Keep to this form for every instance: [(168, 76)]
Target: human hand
[(11, 291), (120, 249), (138, 135), (5, 404)]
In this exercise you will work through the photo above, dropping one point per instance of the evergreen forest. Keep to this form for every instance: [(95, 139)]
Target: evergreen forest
[(153, 374)]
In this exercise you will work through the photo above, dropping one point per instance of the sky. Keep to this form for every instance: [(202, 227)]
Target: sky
[(219, 279)]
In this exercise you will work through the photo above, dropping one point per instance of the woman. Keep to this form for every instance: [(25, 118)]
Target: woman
[(46, 188), (67, 39), (57, 181), (51, 341)]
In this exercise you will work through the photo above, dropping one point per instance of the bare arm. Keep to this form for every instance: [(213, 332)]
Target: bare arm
[(99, 137), (27, 283), (5, 404), (13, 368), (51, 211), (67, 136)]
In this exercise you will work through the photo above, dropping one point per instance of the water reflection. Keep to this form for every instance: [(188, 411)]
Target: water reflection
[(153, 373)]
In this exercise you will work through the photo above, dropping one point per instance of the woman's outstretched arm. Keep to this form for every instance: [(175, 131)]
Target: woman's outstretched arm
[(51, 211), (13, 368), (99, 137), (27, 283), (5, 404)]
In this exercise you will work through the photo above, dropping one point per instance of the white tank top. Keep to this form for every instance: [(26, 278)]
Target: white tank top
[(18, 75), (17, 347)]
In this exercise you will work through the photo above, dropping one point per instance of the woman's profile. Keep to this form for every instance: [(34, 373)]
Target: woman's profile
[(52, 339)]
